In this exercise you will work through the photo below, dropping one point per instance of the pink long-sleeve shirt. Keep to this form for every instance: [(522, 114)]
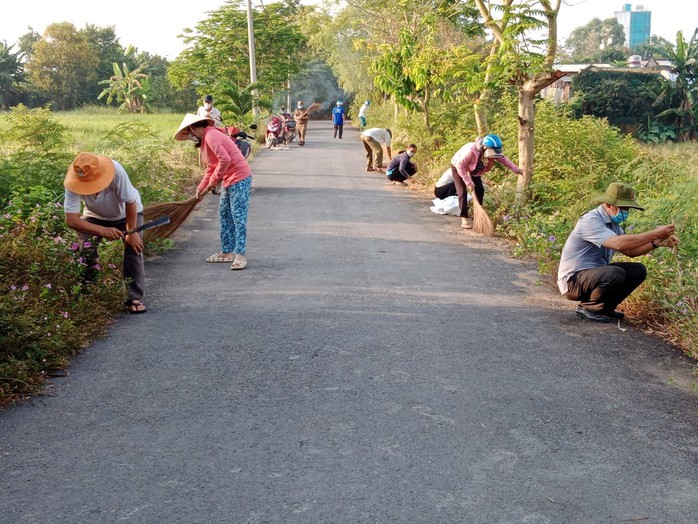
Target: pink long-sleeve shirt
[(466, 159), (223, 159)]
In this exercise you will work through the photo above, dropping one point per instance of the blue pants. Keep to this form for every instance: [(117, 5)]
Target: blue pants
[(232, 210)]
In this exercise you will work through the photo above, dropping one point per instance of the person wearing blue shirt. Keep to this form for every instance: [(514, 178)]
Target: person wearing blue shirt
[(338, 118)]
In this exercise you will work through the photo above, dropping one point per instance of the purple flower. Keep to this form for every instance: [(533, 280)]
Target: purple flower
[(97, 267), (48, 286), (551, 238), (25, 287), (13, 287), (87, 244), (64, 314), (75, 246)]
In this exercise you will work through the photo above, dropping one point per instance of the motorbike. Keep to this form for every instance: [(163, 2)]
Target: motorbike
[(274, 135), (289, 131)]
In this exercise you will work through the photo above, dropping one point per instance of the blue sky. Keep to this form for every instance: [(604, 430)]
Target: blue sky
[(153, 25)]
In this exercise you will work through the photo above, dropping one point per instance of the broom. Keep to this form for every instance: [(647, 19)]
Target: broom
[(482, 223), (177, 211)]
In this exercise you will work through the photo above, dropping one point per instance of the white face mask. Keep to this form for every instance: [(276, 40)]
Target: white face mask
[(300, 106), (208, 105), (410, 153)]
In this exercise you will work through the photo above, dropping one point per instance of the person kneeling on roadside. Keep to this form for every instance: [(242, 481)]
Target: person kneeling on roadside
[(112, 206), (445, 186), (400, 168), (586, 273)]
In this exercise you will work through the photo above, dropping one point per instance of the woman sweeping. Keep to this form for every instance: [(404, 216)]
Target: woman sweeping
[(224, 162)]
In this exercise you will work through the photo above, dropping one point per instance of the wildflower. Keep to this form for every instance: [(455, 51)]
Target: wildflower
[(97, 267), (551, 238), (506, 218), (75, 246), (48, 334), (25, 287), (13, 287), (7, 216), (112, 266), (87, 244), (58, 240), (47, 286), (57, 205)]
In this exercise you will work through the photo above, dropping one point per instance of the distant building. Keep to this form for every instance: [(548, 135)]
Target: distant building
[(637, 24)]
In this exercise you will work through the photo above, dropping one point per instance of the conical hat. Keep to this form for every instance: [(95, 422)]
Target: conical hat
[(189, 119)]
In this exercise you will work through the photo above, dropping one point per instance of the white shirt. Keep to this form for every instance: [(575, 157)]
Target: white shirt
[(110, 203), (378, 134), (213, 113), (446, 178), (363, 110)]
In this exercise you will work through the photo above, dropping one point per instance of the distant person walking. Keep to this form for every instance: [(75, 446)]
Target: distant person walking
[(373, 140), (338, 118), (209, 111), (468, 165), (112, 206), (300, 115), (586, 273), (224, 162), (362, 114)]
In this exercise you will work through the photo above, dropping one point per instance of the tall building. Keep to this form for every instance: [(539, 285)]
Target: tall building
[(636, 24)]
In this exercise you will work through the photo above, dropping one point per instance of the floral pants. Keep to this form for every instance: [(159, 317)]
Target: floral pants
[(232, 210)]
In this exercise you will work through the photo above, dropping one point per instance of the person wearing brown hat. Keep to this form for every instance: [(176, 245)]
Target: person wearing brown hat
[(586, 274), (224, 163), (100, 188)]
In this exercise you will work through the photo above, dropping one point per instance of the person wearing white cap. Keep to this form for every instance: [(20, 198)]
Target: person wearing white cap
[(111, 207), (338, 118)]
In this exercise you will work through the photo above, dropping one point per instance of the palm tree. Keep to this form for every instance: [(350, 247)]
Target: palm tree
[(681, 90), (237, 103)]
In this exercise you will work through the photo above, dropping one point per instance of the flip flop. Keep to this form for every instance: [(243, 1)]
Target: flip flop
[(135, 307), (239, 264), (219, 257)]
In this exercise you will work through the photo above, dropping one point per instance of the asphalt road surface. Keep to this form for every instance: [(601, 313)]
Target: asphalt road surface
[(373, 364)]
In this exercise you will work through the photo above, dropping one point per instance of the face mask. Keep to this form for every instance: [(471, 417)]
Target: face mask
[(194, 138), (300, 106), (208, 105), (621, 216), (410, 154)]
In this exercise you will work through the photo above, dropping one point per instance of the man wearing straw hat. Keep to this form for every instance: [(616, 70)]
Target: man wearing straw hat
[(111, 207), (586, 273)]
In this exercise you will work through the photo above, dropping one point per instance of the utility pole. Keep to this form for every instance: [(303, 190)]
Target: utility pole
[(250, 43)]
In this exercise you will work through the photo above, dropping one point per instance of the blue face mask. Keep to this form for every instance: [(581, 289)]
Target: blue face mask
[(621, 216)]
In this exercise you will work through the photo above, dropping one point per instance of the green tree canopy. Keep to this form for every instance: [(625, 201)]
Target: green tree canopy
[(63, 65), (586, 42), (11, 73)]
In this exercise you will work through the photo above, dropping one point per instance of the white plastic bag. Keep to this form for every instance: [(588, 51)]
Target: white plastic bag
[(447, 206)]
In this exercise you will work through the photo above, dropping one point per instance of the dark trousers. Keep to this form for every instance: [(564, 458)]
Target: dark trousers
[(601, 289), (396, 176), (338, 128), (133, 268), (445, 191), (462, 191)]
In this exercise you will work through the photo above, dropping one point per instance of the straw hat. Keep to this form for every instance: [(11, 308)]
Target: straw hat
[(89, 174), (619, 195), (189, 119)]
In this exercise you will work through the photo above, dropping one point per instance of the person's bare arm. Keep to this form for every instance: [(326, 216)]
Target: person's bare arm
[(640, 243), (74, 221)]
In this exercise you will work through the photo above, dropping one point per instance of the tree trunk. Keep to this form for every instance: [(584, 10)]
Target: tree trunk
[(527, 117)]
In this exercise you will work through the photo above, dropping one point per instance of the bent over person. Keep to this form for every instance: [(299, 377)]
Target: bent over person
[(112, 206), (373, 140), (586, 273)]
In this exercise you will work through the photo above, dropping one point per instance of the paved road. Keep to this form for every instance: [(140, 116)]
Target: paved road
[(373, 364)]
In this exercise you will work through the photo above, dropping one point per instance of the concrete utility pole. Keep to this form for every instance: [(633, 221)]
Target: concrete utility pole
[(250, 43)]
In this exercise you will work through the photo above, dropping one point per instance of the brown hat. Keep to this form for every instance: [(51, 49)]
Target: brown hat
[(89, 174), (619, 195)]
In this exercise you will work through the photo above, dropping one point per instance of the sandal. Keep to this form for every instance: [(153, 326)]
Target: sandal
[(239, 263), (219, 257), (468, 224), (135, 307)]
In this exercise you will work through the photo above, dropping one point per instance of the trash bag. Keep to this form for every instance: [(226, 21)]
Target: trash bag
[(447, 206)]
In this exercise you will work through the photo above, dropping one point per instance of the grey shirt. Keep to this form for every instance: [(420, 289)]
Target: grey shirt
[(584, 247), (110, 203)]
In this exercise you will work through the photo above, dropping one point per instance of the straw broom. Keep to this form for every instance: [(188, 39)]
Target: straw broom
[(177, 211), (482, 223)]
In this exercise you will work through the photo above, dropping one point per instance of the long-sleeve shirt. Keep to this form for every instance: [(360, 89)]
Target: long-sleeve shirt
[(224, 161), (301, 116), (401, 162), (466, 160)]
